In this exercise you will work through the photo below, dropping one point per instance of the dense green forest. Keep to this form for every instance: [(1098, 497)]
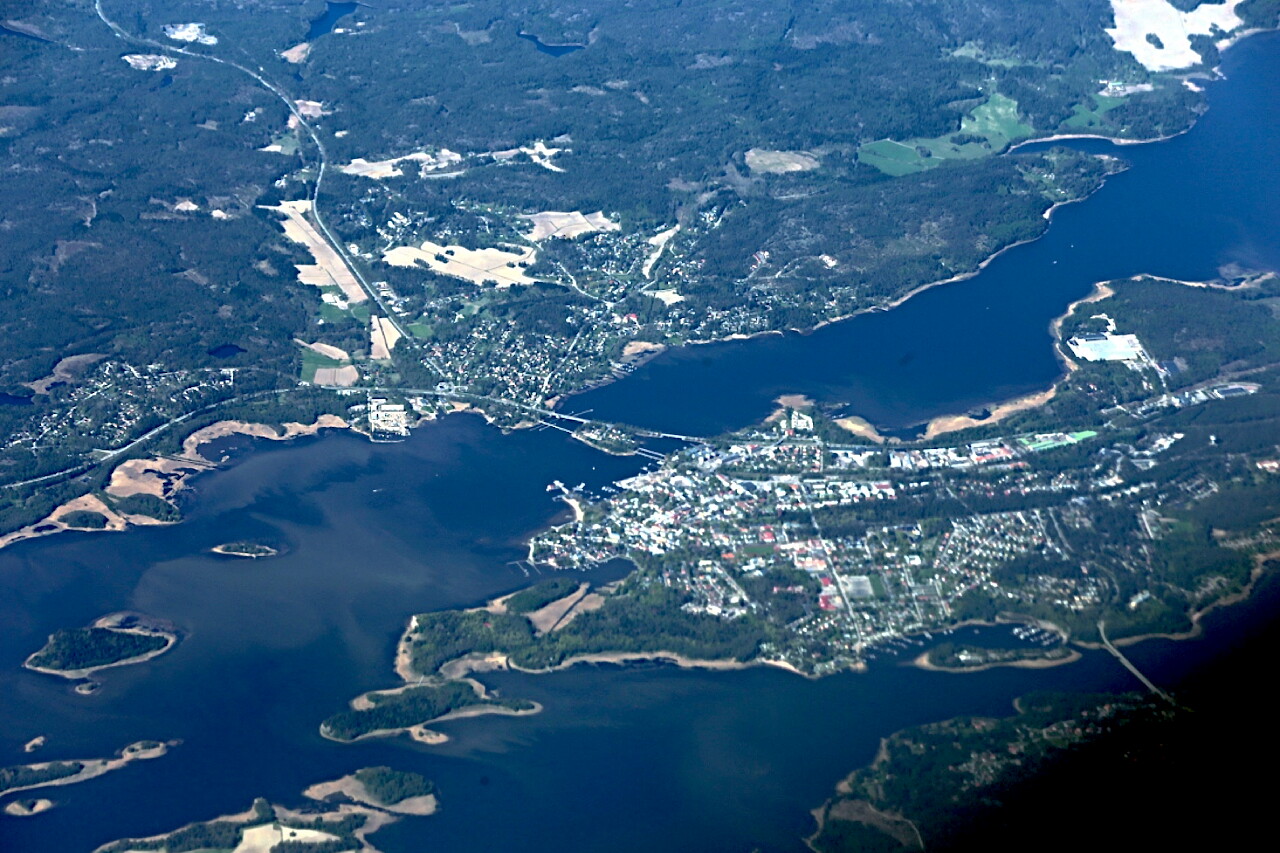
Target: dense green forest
[(541, 594), (22, 775), (83, 648), (409, 707), (953, 780), (641, 617), (389, 786)]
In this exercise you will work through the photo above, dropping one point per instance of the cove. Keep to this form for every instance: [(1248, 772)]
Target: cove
[(1184, 209), (324, 24)]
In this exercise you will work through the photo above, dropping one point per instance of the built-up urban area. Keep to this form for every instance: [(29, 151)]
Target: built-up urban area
[(844, 549)]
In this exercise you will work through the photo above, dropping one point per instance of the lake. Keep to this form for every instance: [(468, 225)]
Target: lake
[(623, 759)]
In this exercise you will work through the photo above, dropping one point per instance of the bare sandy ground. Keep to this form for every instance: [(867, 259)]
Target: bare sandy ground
[(94, 767), (329, 268), (794, 401), (54, 523), (161, 476), (381, 169), (296, 54), (66, 370), (383, 337), (763, 161), (353, 788), (310, 109), (263, 838), (635, 348), (19, 808), (327, 350), (568, 225), (546, 618), (34, 744), (861, 428), (339, 377), (659, 242), (539, 153), (589, 602), (667, 297), (953, 423), (479, 266), (1136, 19)]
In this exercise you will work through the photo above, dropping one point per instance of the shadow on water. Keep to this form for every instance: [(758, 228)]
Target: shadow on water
[(550, 49)]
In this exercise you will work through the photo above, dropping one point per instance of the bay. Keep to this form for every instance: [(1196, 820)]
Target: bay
[(1185, 209)]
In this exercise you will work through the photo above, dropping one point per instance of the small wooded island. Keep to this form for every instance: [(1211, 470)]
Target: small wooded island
[(249, 550), (396, 791), (118, 639), (407, 709)]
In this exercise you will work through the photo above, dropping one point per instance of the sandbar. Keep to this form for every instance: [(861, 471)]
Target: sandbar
[(27, 808)]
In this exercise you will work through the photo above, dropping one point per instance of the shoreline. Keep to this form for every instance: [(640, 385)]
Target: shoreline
[(82, 674), (95, 767), (158, 476), (355, 790), (888, 306), (922, 662), (418, 730), (1196, 616)]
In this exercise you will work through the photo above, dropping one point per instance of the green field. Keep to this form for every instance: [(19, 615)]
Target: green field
[(987, 130), (312, 361), (1086, 118)]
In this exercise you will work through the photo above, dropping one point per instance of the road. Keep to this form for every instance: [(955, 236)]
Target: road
[(322, 167), (1102, 632), (108, 456)]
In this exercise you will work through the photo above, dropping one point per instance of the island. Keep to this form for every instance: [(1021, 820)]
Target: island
[(25, 777), (397, 791), (964, 657), (250, 550), (270, 827), (384, 713), (27, 808), (118, 639)]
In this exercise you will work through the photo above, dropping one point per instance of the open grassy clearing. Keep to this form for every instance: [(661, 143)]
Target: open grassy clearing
[(987, 130), (1086, 118)]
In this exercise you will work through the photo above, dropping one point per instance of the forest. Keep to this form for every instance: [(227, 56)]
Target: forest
[(84, 648), (409, 707)]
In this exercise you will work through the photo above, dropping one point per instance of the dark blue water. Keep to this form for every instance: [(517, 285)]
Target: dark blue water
[(333, 13), (14, 400), (632, 759), (550, 49), (1184, 209), (373, 533)]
